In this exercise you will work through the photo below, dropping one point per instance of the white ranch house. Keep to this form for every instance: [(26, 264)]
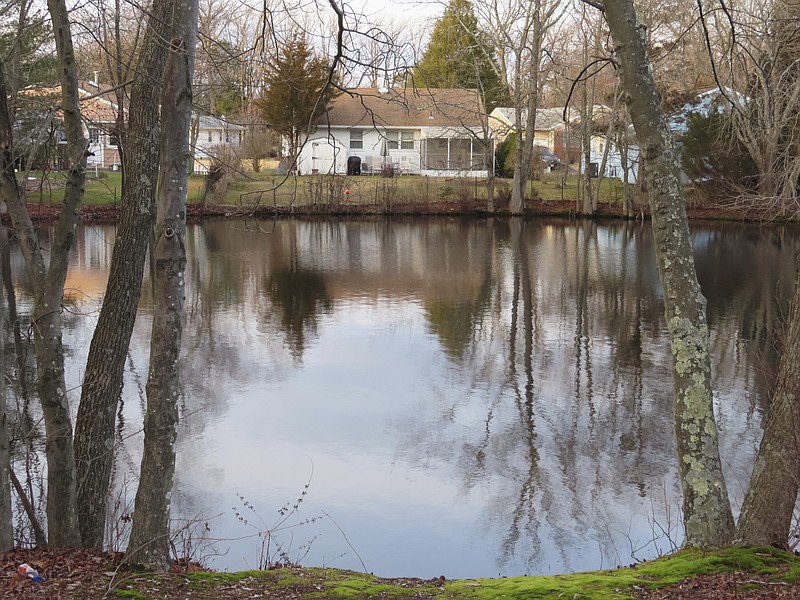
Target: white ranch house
[(613, 158), (434, 132)]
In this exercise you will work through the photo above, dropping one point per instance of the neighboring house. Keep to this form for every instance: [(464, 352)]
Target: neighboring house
[(410, 131), (613, 158), (549, 130), (704, 103), (98, 111), (560, 136), (215, 135)]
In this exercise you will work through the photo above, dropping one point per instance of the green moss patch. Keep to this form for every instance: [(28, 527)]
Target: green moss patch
[(765, 564), (622, 582)]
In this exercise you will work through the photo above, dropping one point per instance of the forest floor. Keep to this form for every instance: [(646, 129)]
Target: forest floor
[(85, 574)]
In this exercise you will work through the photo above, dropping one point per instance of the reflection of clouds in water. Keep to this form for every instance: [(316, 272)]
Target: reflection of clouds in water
[(474, 400)]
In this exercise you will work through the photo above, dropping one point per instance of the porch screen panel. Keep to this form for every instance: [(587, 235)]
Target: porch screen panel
[(461, 154), (434, 153)]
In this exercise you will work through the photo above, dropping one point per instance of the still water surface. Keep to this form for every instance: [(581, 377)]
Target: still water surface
[(463, 398)]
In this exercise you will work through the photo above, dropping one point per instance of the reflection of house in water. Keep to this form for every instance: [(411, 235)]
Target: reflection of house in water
[(91, 258)]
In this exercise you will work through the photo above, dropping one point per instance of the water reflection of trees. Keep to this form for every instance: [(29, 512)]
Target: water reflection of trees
[(557, 334), (299, 295), (579, 436), (555, 405)]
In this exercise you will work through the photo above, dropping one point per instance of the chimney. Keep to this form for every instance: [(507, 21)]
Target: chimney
[(96, 81)]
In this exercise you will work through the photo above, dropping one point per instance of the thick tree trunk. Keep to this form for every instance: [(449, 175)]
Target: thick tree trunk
[(706, 509), (149, 543), (766, 516), (102, 382)]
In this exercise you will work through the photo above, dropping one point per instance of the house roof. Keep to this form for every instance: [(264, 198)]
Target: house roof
[(404, 107), (217, 123), (547, 119), (98, 105), (705, 103)]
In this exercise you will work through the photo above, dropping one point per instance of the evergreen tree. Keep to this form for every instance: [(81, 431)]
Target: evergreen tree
[(459, 55), (297, 93)]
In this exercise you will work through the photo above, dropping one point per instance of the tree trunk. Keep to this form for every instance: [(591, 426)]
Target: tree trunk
[(766, 516), (706, 509), (6, 524), (102, 382), (149, 543), (48, 285)]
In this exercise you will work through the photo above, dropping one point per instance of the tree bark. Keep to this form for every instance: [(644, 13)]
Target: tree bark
[(149, 543), (48, 285), (766, 516), (6, 523), (102, 382), (526, 134), (706, 508)]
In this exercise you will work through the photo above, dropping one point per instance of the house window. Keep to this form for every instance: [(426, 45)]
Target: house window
[(210, 138), (403, 140), (220, 137), (356, 139), (113, 139), (94, 135)]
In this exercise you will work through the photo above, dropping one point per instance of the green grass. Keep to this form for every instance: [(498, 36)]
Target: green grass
[(104, 188)]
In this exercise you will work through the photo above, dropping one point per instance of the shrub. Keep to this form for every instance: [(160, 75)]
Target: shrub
[(713, 158)]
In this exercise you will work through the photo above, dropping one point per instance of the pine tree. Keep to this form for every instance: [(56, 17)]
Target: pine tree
[(459, 55), (297, 93)]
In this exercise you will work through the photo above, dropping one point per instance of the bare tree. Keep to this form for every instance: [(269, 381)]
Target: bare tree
[(149, 542), (102, 382), (519, 29), (47, 281), (6, 524), (707, 513), (766, 515), (766, 105)]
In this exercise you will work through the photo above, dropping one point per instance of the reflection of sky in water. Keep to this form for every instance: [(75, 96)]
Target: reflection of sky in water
[(438, 458)]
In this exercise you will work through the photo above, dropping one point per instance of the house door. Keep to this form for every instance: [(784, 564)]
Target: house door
[(322, 160)]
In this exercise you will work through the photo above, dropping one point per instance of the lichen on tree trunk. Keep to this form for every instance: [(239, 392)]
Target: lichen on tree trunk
[(707, 514)]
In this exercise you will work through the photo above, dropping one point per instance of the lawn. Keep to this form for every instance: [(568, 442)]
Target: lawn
[(253, 189)]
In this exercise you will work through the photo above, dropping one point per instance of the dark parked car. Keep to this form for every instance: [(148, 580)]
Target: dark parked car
[(546, 156)]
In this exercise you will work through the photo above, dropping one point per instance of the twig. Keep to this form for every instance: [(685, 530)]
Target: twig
[(344, 535)]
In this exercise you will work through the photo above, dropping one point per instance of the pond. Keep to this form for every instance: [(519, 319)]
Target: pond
[(447, 397)]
